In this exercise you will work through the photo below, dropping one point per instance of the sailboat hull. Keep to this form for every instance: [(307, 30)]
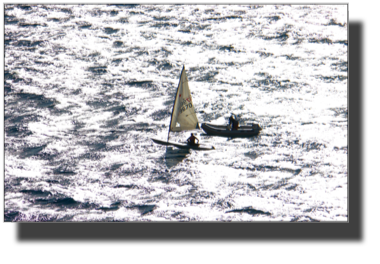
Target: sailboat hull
[(182, 145)]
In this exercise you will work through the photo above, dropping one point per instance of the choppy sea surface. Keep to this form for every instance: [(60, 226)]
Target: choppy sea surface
[(86, 87)]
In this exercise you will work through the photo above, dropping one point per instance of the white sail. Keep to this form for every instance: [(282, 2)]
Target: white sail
[(183, 115)]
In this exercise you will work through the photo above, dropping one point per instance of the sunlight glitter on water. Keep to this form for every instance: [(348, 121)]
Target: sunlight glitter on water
[(105, 79)]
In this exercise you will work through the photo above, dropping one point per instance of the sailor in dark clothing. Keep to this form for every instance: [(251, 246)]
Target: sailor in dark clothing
[(191, 140), (236, 125), (233, 122), (231, 119)]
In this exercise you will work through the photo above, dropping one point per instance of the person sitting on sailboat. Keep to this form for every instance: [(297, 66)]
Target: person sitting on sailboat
[(191, 140), (234, 124)]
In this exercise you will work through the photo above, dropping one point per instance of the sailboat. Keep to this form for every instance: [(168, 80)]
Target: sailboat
[(183, 116)]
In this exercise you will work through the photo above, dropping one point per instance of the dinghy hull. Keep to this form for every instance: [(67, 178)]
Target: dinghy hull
[(225, 131)]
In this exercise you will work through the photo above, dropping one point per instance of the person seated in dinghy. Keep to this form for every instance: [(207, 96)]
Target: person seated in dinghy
[(234, 124), (191, 140)]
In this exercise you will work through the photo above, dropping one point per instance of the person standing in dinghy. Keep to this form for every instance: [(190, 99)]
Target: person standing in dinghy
[(234, 124), (191, 140)]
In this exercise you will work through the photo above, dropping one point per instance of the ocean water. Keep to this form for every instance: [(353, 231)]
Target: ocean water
[(86, 87)]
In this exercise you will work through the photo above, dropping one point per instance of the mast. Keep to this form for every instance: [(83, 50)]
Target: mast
[(171, 117)]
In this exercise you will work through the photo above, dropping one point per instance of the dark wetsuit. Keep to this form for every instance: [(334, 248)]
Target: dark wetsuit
[(191, 140), (234, 123)]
